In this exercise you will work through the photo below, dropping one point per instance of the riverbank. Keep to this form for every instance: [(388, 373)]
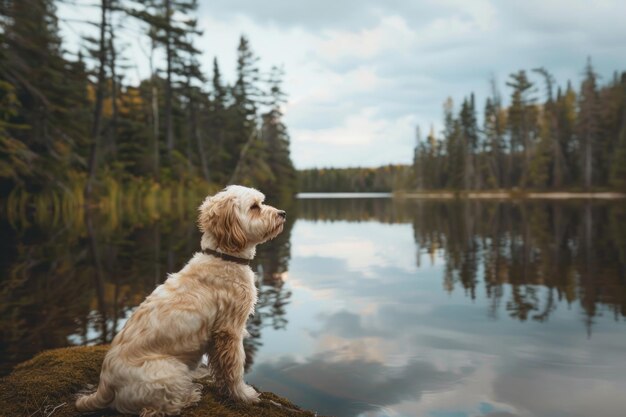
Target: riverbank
[(511, 195), (47, 384)]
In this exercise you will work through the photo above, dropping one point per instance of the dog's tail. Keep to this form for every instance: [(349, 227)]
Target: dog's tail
[(98, 400)]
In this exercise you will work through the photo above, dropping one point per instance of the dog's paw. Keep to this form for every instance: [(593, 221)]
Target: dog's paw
[(246, 394)]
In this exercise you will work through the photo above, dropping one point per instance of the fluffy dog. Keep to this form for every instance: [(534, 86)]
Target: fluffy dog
[(153, 361)]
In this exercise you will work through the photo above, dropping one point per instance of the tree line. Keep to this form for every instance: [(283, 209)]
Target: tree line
[(380, 179), (75, 118), (573, 139)]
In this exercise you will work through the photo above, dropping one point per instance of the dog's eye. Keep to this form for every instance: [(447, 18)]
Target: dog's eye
[(255, 206)]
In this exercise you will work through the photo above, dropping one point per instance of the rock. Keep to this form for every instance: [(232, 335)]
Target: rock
[(47, 385)]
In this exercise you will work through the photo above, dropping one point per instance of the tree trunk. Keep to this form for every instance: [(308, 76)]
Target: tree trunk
[(169, 129), (97, 114), (155, 114), (588, 162), (114, 87), (198, 140)]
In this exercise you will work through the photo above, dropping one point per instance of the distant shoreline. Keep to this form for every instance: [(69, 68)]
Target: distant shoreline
[(512, 195), (478, 195), (305, 196)]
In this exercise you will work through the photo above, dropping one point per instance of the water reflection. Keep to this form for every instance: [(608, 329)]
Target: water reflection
[(548, 252), (453, 308), (367, 307), (77, 285)]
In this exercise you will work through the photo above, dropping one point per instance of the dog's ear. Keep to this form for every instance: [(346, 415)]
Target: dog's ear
[(218, 217), (205, 213)]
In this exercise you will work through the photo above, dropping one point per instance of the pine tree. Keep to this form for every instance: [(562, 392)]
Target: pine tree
[(454, 146), (549, 135), (242, 114), (101, 54), (522, 123), (494, 125), (246, 92), (216, 128), (469, 141), (588, 128), (274, 134), (172, 27), (566, 116), (15, 157), (50, 91), (618, 163)]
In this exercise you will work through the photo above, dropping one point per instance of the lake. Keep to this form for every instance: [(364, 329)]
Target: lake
[(367, 306)]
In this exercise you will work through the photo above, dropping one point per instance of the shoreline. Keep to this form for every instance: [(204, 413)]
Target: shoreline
[(512, 195)]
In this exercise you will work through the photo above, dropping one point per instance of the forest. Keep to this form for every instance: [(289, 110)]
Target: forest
[(74, 129), (380, 179), (572, 139)]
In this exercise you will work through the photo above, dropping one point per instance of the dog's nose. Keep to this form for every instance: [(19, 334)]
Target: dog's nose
[(283, 214)]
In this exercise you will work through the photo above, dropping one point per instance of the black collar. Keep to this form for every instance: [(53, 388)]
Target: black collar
[(226, 257)]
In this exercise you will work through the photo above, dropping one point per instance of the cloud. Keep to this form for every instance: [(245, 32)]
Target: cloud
[(362, 74), (351, 387), (544, 392), (362, 139), (391, 34)]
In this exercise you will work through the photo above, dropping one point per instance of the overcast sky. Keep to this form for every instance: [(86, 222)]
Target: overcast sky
[(362, 74)]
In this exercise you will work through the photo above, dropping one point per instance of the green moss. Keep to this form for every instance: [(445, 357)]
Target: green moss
[(47, 385)]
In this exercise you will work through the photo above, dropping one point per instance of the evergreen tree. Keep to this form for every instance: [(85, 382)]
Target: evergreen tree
[(496, 167), (173, 28), (454, 146), (274, 134), (566, 116), (549, 139), (15, 157), (522, 124), (618, 165), (469, 142), (50, 91), (100, 53), (588, 128), (216, 125), (242, 114)]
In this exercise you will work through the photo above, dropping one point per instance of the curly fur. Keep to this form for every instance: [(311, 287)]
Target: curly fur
[(202, 309)]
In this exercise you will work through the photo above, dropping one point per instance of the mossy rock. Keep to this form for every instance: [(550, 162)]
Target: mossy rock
[(47, 385)]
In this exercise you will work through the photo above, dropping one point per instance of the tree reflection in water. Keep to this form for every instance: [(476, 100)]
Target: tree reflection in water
[(76, 281), (536, 254)]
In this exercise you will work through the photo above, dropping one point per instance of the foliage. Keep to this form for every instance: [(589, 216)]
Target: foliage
[(65, 117), (383, 179), (571, 140)]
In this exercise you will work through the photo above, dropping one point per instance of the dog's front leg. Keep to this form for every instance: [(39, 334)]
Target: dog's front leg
[(226, 361)]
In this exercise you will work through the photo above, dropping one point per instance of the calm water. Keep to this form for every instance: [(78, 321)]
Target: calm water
[(369, 306)]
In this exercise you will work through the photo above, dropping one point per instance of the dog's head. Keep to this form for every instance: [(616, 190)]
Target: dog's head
[(236, 218)]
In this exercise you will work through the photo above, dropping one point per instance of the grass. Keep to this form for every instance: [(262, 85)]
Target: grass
[(47, 385)]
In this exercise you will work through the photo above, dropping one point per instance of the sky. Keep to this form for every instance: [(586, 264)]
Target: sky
[(362, 75)]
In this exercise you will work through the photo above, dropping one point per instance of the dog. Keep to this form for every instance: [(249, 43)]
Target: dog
[(202, 309)]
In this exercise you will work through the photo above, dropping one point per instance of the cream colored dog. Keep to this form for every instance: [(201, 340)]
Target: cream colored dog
[(153, 361)]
